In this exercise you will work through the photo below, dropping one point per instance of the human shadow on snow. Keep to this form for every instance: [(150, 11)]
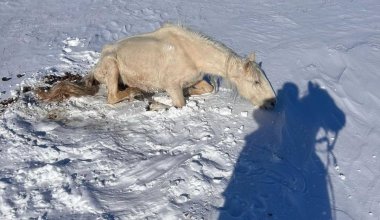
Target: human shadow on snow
[(278, 174)]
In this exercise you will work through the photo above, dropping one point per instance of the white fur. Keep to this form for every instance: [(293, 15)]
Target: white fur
[(173, 58)]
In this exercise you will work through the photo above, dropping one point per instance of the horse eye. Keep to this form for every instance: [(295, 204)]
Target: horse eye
[(257, 82)]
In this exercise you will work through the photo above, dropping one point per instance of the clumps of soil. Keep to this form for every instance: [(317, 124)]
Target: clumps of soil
[(6, 78), (51, 79), (52, 116), (8, 102), (5, 103), (62, 87)]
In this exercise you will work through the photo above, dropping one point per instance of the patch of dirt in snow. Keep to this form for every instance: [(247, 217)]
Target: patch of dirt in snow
[(47, 80)]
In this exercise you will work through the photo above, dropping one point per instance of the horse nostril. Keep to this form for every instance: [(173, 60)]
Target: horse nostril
[(269, 104), (273, 103)]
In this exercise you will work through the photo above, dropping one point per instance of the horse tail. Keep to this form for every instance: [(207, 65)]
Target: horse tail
[(66, 89)]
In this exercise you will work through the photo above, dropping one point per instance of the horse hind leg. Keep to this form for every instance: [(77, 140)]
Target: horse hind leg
[(112, 82), (200, 88)]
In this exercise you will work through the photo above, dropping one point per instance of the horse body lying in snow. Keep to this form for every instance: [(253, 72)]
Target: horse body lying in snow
[(170, 59)]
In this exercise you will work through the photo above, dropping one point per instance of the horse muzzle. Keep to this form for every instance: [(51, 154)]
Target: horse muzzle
[(268, 104)]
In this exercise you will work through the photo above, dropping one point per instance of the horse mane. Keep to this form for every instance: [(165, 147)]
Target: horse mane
[(202, 37)]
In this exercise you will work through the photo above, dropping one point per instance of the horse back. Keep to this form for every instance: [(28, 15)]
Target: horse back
[(150, 61)]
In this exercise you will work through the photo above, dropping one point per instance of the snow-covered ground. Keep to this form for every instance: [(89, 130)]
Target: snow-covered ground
[(316, 156)]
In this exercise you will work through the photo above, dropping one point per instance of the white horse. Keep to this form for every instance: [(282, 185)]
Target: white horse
[(171, 59)]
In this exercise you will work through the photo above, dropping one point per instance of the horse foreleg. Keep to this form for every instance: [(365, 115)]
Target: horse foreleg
[(200, 88), (176, 94)]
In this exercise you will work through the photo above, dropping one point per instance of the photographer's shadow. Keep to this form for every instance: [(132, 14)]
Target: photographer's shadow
[(278, 174)]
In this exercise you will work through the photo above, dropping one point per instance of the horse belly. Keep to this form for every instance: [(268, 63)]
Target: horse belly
[(142, 76), (143, 64), (144, 82)]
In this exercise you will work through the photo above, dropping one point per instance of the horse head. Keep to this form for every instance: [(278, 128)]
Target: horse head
[(252, 83)]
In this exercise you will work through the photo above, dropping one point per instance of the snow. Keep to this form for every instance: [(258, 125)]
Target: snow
[(316, 156)]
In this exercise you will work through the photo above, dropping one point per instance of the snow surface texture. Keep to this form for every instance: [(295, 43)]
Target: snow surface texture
[(315, 157)]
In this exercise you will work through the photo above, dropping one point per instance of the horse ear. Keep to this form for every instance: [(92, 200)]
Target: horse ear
[(252, 57), (246, 65)]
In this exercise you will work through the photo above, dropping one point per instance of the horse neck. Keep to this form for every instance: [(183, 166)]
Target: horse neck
[(214, 60), (211, 61)]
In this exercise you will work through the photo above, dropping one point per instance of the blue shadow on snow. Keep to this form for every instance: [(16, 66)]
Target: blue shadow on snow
[(278, 174)]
